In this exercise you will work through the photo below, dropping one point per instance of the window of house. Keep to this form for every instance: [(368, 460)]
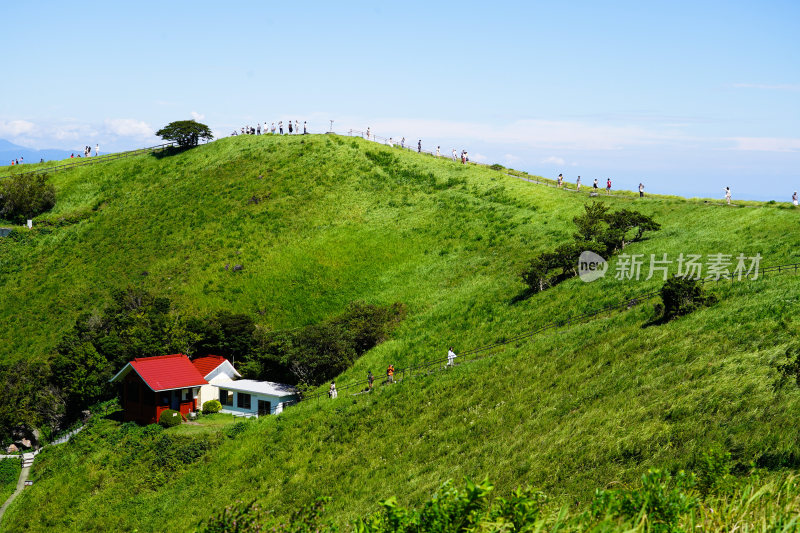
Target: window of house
[(185, 395), (243, 401), (225, 397)]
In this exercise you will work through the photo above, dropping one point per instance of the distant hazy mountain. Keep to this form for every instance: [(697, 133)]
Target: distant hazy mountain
[(10, 151)]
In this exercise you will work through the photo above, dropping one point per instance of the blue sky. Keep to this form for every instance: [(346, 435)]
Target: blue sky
[(687, 97)]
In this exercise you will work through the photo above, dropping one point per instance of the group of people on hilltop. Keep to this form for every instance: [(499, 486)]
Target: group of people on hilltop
[(595, 184), (390, 371), (267, 128), (19, 161), (727, 190), (391, 142), (87, 151)]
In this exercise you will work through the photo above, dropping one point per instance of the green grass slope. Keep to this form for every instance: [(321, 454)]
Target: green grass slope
[(340, 219)]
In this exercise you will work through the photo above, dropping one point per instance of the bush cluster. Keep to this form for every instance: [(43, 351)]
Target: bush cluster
[(680, 296), (211, 406), (169, 419), (598, 230), (23, 196)]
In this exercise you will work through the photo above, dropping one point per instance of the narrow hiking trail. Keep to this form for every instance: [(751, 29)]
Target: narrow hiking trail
[(27, 463)]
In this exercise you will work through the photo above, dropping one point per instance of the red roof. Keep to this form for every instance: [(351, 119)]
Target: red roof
[(165, 372), (207, 363)]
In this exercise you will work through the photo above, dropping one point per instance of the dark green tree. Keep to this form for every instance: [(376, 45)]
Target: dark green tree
[(681, 296), (23, 196), (185, 132)]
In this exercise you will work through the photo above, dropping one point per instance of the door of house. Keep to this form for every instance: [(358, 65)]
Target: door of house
[(264, 407), (175, 404)]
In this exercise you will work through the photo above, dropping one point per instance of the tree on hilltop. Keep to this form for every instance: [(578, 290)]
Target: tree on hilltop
[(185, 132)]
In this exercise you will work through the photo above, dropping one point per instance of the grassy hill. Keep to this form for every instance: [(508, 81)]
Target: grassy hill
[(319, 221)]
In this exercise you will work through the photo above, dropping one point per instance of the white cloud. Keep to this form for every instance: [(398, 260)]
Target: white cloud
[(14, 128), (480, 158), (769, 87), (128, 127), (554, 160), (71, 132), (766, 144), (197, 116)]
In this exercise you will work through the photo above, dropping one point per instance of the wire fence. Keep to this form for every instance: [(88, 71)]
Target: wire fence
[(83, 161), (488, 350)]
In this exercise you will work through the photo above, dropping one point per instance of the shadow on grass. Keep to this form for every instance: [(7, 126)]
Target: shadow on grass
[(522, 296), (172, 150)]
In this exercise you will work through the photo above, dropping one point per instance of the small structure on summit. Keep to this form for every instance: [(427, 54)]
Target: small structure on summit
[(151, 385)]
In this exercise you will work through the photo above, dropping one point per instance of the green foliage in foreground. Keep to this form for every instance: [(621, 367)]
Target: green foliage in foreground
[(662, 503)]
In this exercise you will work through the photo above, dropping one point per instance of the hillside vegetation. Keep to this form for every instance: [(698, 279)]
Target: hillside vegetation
[(318, 222)]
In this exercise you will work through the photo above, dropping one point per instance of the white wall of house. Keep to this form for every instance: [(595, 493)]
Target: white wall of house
[(224, 372), (250, 401)]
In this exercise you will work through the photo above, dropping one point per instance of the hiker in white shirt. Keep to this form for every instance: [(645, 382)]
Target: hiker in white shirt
[(451, 356), (794, 198), (728, 195), (96, 149)]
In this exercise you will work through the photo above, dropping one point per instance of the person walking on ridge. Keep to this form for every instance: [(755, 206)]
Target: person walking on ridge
[(437, 151), (608, 186), (641, 190), (367, 132), (728, 195), (419, 146), (290, 127), (258, 128), (594, 185), (454, 154), (280, 126), (794, 198), (390, 374), (96, 150), (332, 392), (560, 180), (578, 184), (451, 357), (305, 128), (370, 379)]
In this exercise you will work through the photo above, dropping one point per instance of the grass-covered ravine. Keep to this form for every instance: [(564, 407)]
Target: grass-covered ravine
[(318, 222)]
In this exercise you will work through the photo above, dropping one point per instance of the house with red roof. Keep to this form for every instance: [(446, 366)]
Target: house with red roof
[(151, 385)]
